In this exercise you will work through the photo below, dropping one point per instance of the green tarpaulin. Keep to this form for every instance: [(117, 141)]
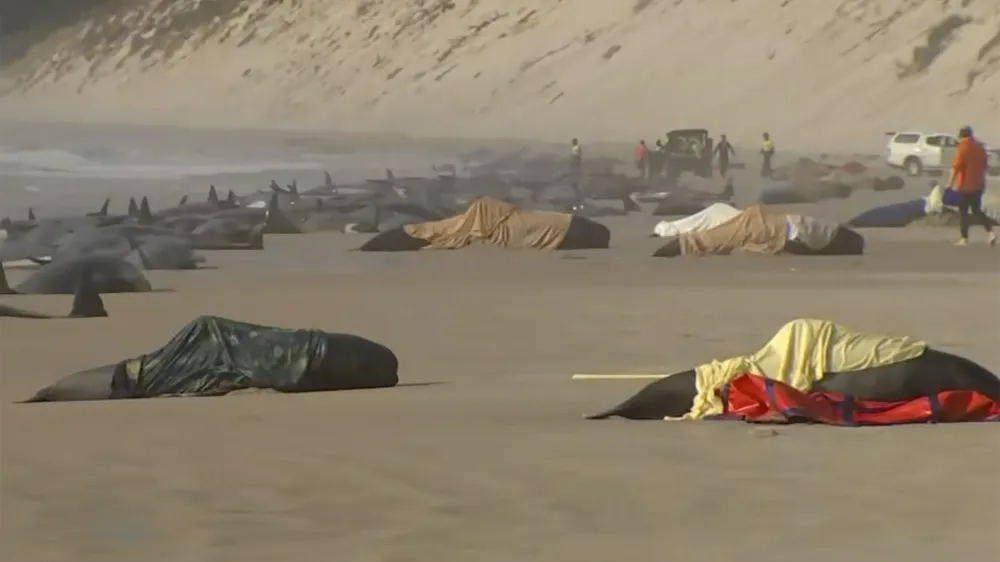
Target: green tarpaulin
[(213, 356)]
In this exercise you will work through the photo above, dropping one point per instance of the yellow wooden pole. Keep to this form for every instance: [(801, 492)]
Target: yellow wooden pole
[(616, 376)]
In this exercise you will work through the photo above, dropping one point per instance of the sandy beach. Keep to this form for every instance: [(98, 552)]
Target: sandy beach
[(482, 452)]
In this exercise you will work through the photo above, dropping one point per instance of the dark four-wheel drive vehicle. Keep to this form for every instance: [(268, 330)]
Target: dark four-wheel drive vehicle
[(688, 150)]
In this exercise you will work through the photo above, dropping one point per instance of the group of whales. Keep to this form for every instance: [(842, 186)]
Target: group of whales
[(113, 250)]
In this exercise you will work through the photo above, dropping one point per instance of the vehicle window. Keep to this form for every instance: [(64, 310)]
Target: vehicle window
[(950, 142), (906, 138), (935, 141)]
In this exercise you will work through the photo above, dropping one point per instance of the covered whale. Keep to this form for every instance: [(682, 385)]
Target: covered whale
[(816, 370), (213, 356), (489, 221), (762, 230)]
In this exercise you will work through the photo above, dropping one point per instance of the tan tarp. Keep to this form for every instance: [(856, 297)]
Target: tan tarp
[(800, 354), (489, 221), (754, 230)]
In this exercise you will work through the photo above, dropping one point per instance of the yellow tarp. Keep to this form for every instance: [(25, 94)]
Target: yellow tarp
[(799, 355), (489, 221)]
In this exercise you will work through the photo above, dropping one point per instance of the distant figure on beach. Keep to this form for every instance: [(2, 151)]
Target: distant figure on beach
[(656, 158), (766, 155), (724, 150), (575, 157), (968, 180), (642, 159), (575, 165)]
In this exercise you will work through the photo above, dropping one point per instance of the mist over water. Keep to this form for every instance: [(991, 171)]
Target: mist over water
[(133, 165), (57, 168), (50, 154)]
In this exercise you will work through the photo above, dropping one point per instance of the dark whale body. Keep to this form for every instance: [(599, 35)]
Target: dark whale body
[(927, 375), (108, 273), (87, 302)]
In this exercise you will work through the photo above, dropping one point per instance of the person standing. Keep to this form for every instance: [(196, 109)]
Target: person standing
[(724, 150), (642, 159), (575, 157), (968, 180), (766, 155), (575, 165), (656, 158)]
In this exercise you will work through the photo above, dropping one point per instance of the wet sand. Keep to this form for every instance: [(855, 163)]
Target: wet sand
[(481, 454)]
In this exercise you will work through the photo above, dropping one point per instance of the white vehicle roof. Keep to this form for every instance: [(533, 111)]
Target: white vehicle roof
[(894, 133)]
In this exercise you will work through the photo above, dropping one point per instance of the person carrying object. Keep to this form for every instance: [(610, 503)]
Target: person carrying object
[(968, 180)]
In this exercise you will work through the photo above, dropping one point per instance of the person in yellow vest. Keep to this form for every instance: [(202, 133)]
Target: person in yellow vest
[(766, 155)]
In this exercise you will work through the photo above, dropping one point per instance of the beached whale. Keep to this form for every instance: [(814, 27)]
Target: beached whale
[(213, 356), (87, 302), (108, 273), (833, 364)]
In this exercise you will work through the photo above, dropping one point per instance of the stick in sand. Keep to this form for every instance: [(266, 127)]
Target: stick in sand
[(616, 376)]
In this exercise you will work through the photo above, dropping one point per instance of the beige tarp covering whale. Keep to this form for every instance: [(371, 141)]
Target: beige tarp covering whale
[(758, 230), (494, 222)]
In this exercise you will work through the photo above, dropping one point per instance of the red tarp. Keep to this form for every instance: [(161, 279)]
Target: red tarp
[(758, 399)]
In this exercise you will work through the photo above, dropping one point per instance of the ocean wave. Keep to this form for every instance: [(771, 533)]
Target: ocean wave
[(129, 165)]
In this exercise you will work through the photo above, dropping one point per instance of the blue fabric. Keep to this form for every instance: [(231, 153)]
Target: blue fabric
[(950, 198), (894, 215)]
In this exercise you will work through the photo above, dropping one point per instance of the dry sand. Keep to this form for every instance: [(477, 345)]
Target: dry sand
[(481, 455), (815, 73)]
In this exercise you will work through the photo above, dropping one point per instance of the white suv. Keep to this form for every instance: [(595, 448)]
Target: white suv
[(921, 152)]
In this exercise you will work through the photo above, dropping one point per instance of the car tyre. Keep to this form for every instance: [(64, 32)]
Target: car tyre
[(914, 167)]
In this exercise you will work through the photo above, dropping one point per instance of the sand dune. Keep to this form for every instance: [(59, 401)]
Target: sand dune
[(816, 74)]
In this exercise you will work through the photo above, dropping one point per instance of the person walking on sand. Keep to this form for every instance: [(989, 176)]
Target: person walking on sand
[(656, 158), (968, 180), (642, 159), (724, 150), (766, 155)]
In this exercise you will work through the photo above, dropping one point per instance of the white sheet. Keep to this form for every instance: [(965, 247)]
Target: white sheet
[(814, 233), (711, 217)]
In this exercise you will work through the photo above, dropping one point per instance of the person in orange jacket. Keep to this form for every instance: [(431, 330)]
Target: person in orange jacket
[(642, 159), (968, 180)]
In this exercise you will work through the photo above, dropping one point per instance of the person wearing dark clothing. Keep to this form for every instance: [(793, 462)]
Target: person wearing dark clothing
[(767, 155), (968, 180), (724, 150)]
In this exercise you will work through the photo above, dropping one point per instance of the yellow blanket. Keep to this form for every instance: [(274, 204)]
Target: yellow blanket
[(799, 355)]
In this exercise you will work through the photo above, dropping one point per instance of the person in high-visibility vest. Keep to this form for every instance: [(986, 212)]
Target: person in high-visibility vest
[(968, 180), (766, 155)]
